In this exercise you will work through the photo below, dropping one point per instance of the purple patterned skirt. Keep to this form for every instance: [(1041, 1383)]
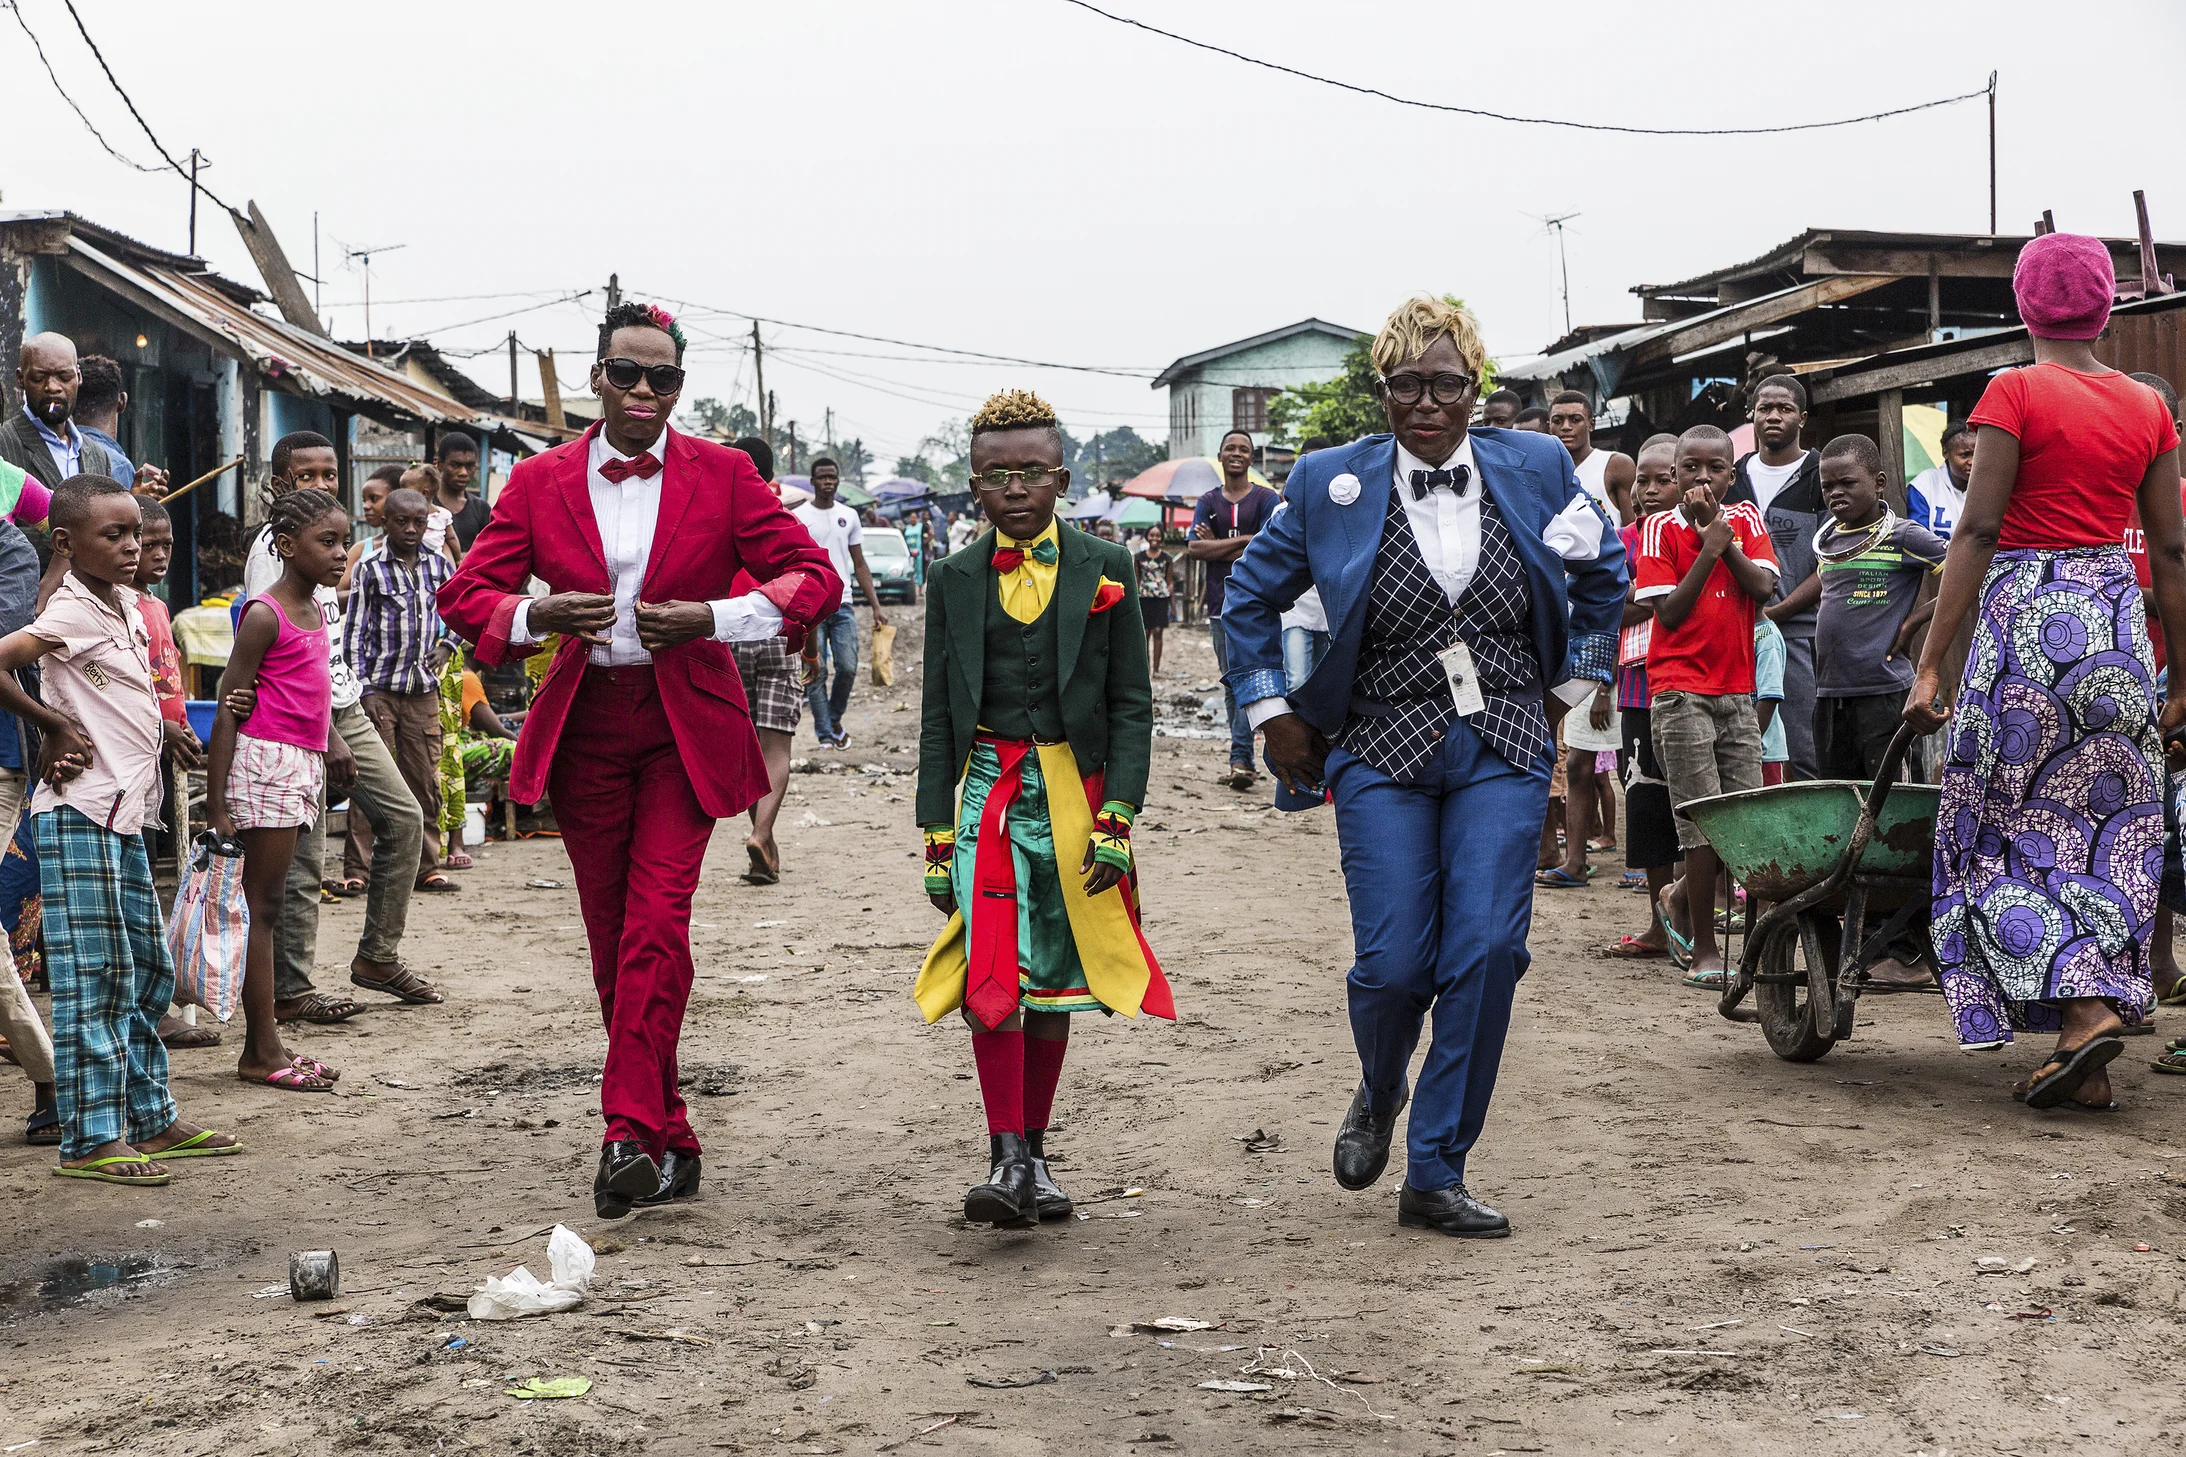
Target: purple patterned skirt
[(2049, 837)]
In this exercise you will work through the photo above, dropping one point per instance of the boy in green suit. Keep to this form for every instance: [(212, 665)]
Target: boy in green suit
[(1037, 701)]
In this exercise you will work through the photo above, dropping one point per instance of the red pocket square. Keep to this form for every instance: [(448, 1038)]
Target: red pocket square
[(1106, 595)]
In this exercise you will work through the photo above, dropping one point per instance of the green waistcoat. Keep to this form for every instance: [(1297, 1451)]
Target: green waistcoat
[(1020, 697)]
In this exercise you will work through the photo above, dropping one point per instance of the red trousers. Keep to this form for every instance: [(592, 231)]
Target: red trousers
[(635, 835)]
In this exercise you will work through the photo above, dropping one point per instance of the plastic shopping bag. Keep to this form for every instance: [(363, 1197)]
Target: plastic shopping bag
[(208, 934), (884, 655), (521, 1293)]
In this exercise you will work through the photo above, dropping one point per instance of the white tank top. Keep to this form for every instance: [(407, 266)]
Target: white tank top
[(1593, 474)]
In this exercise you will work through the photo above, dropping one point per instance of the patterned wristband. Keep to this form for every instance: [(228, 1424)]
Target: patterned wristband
[(940, 849), (1111, 837)]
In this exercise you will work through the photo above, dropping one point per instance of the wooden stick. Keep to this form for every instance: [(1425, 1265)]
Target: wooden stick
[(214, 474)]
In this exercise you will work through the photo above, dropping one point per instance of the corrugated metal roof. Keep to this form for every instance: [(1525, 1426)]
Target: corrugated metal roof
[(274, 347)]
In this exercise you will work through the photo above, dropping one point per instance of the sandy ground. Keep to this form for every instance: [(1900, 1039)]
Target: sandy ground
[(1714, 1251)]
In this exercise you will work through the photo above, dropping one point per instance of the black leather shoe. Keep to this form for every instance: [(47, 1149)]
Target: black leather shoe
[(1362, 1144), (1450, 1211), (626, 1173), (1007, 1200), (678, 1180), (1048, 1196)]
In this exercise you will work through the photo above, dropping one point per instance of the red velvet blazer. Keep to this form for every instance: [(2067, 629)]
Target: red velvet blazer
[(717, 518)]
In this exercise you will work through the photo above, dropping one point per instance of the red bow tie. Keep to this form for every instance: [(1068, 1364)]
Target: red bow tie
[(618, 470)]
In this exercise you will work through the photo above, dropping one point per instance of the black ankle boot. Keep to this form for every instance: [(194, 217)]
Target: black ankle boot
[(1007, 1200), (1048, 1196)]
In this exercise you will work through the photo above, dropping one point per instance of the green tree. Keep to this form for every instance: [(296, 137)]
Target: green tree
[(852, 457), (708, 416)]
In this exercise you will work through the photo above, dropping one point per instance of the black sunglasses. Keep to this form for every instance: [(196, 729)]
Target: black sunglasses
[(624, 374)]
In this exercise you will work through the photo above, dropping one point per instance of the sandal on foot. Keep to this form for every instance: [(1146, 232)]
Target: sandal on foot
[(315, 1067), (1600, 847), (291, 1079), (1707, 981), (402, 984), (1632, 880), (43, 1126), (460, 860), (321, 1009), (335, 888), (1559, 879), (2073, 1067), (196, 1146), (101, 1170), (761, 873), (1632, 948), (2173, 1060), (354, 885), (1681, 947), (436, 884), (183, 1038)]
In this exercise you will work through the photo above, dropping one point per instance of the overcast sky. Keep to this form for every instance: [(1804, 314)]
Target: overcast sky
[(1024, 178)]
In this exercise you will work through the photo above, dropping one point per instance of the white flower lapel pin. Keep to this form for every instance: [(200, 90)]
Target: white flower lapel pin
[(1344, 489)]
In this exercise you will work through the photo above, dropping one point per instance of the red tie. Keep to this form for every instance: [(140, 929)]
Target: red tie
[(618, 470)]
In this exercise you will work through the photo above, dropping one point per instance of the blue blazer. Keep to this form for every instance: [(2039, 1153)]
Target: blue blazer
[(1314, 542)]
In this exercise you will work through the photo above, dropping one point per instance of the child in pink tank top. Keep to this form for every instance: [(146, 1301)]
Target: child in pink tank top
[(266, 775)]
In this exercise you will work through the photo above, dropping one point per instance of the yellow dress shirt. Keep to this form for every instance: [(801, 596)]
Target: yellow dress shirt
[(1027, 591)]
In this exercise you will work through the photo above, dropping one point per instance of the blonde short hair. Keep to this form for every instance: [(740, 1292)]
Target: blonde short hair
[(1418, 322), (1014, 410)]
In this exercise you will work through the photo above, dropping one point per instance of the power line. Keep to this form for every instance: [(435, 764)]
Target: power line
[(1583, 126), (96, 134), (179, 169)]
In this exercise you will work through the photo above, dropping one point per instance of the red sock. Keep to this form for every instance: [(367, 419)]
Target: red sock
[(1001, 1060), (1043, 1070)]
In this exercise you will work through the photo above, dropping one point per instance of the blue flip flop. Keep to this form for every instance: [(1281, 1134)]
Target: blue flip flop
[(1560, 879), (1681, 947)]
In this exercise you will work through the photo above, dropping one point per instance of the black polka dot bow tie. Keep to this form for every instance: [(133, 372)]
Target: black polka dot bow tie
[(1456, 478)]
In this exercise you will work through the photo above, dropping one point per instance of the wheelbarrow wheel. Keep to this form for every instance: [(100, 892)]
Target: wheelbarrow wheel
[(1794, 1002)]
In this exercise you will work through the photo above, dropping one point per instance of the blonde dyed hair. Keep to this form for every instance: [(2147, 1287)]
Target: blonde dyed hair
[(1014, 410), (1418, 322)]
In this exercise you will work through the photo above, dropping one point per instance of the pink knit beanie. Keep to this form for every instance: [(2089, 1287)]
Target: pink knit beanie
[(2063, 283)]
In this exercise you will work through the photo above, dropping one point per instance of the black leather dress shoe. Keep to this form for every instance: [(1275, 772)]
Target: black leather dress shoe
[(626, 1172), (678, 1180), (1048, 1197), (1008, 1199), (1362, 1144), (1449, 1211)]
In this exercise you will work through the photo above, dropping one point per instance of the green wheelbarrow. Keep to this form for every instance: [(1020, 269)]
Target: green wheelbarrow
[(1829, 856)]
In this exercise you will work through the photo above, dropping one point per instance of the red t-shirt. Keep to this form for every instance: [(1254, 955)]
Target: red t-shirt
[(166, 658), (1711, 652), (2085, 441), (2136, 547)]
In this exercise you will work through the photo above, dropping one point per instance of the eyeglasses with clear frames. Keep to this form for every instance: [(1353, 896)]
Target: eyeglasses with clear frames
[(996, 478)]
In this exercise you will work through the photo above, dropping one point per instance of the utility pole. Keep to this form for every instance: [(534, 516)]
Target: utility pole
[(793, 447), (1992, 154), (759, 368), (193, 210), (614, 289), (318, 305), (830, 436), (771, 416), (1563, 260), (514, 398)]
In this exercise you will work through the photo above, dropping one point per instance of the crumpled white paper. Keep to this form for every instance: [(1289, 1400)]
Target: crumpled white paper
[(520, 1293)]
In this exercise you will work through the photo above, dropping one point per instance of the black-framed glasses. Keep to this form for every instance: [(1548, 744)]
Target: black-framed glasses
[(1410, 389), (995, 478), (624, 374)]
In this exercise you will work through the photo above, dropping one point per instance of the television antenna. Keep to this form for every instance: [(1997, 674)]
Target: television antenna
[(1554, 223), (364, 256)]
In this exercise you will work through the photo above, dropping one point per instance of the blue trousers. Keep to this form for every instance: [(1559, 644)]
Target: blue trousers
[(1240, 726), (837, 639), (1440, 877)]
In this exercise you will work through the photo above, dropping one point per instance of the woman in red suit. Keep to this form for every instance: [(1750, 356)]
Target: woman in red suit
[(640, 733)]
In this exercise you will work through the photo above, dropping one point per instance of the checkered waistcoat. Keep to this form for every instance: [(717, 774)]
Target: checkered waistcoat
[(1400, 698)]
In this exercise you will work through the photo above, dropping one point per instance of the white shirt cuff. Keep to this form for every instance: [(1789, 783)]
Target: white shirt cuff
[(1574, 691), (1261, 710), (749, 618), (1649, 594), (1575, 533), (520, 625)]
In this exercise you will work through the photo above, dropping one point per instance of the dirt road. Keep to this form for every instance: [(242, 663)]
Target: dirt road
[(1714, 1251)]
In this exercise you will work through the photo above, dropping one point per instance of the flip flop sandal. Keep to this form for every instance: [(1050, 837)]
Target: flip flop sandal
[(323, 1010), (1599, 847), (2073, 1068), (196, 1147), (2174, 995), (2172, 1061), (183, 1039), (436, 885), (315, 1067), (43, 1127), (458, 861), (403, 985), (1707, 981), (1681, 947), (761, 873), (327, 897), (336, 888), (291, 1079), (97, 1170), (1559, 879), (356, 886), (1632, 880), (1633, 949)]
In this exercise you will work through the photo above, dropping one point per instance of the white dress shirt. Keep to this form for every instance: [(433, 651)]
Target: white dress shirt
[(1446, 526), (627, 513)]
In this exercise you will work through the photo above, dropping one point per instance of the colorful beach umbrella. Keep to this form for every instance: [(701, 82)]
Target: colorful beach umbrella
[(1181, 480)]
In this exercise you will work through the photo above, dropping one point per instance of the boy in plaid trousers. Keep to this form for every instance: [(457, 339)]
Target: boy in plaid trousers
[(99, 781)]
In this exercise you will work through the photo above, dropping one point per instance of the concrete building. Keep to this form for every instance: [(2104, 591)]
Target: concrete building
[(1229, 387)]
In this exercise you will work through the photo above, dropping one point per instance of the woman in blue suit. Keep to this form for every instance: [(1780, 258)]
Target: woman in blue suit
[(1473, 591)]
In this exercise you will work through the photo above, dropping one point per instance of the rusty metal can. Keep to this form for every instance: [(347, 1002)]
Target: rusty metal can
[(314, 1275)]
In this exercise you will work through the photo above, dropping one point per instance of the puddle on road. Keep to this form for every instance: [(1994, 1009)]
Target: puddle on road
[(71, 1282)]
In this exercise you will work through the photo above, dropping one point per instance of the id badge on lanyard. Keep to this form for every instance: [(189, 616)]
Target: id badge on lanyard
[(1457, 667)]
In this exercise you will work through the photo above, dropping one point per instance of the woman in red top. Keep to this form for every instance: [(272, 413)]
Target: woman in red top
[(2049, 837)]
